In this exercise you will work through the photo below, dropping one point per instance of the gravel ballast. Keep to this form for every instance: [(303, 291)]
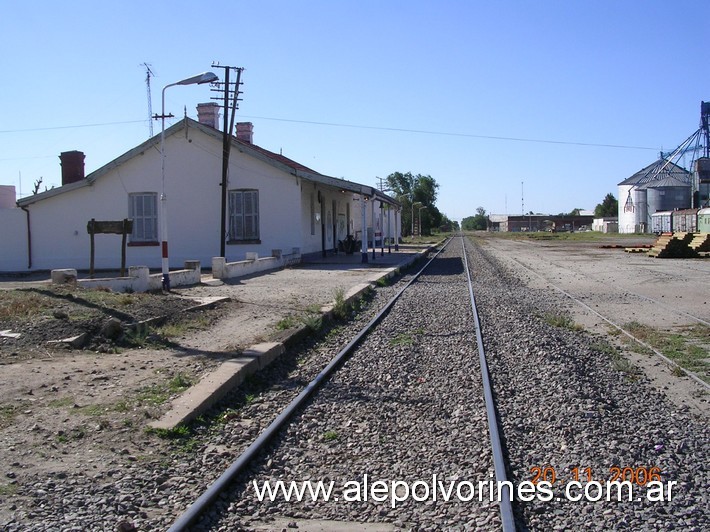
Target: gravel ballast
[(408, 405)]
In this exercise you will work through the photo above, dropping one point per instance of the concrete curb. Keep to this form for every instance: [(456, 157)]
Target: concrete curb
[(196, 400)]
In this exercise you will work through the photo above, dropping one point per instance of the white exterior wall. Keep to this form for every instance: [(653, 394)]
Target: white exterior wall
[(193, 170), (193, 173), (8, 196), (279, 206), (59, 236), (13, 240)]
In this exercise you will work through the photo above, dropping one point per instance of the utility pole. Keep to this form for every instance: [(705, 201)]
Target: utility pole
[(233, 90)]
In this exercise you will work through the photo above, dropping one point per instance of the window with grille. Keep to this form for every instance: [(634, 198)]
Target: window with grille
[(243, 215), (143, 209)]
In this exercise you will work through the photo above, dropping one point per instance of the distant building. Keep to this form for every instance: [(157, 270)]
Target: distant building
[(539, 222), (661, 186)]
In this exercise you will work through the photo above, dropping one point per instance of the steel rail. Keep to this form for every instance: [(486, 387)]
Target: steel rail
[(224, 480), (505, 505), (663, 305), (618, 327)]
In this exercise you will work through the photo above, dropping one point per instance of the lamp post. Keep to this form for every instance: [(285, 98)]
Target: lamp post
[(205, 77), (420, 219), (413, 204)]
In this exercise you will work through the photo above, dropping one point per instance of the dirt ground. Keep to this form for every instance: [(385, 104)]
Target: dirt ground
[(68, 409), (65, 410), (611, 287)]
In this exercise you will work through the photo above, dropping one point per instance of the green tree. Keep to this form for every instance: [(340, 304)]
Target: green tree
[(608, 208), (479, 222), (413, 192), (448, 225)]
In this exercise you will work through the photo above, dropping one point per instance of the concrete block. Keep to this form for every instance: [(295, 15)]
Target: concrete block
[(64, 276), (77, 342), (219, 267), (140, 276), (252, 255)]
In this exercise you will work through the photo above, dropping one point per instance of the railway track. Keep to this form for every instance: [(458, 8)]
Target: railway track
[(409, 392), (405, 412)]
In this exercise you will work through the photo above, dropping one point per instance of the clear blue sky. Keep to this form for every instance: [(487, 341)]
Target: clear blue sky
[(413, 86)]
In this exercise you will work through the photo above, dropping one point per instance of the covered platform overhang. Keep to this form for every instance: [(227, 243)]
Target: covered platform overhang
[(348, 186)]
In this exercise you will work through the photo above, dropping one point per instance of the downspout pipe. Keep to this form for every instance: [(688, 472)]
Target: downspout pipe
[(29, 238)]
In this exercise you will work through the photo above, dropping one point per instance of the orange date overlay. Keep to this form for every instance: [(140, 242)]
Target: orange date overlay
[(636, 475), (580, 483)]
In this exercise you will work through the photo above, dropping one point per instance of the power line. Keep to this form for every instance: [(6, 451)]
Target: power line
[(70, 127), (449, 134), (379, 128)]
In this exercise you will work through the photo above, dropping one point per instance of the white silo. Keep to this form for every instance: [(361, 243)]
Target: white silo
[(660, 178)]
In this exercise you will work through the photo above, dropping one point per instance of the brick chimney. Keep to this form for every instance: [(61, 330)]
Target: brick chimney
[(208, 114), (72, 166), (245, 132)]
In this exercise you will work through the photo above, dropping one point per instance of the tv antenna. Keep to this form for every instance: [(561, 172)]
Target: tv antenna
[(148, 73)]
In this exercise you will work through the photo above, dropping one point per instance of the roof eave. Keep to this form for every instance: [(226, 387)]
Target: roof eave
[(29, 200)]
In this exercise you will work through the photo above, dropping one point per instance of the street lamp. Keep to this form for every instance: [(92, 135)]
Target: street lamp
[(420, 219), (205, 77), (413, 204)]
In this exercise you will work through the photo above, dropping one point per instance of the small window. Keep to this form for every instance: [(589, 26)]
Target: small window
[(629, 205), (243, 215), (143, 209)]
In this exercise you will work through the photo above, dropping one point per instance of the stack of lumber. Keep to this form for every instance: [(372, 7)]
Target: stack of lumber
[(701, 244), (636, 250), (673, 246)]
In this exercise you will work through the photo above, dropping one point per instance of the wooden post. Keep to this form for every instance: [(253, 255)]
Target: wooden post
[(123, 247), (120, 227), (91, 232)]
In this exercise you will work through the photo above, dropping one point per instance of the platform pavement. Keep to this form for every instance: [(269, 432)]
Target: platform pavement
[(313, 271)]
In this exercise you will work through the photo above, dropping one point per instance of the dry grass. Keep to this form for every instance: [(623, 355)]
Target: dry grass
[(21, 304)]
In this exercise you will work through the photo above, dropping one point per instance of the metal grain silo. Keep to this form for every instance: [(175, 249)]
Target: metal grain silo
[(660, 186), (668, 194)]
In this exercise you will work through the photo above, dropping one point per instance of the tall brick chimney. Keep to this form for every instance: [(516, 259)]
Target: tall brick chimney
[(245, 132), (72, 166), (208, 114)]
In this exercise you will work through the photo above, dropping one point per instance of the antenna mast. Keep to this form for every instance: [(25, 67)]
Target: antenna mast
[(148, 73)]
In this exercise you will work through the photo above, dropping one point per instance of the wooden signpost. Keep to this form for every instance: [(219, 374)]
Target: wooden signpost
[(121, 227)]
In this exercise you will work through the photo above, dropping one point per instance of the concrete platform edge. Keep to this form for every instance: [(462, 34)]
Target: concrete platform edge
[(214, 386)]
